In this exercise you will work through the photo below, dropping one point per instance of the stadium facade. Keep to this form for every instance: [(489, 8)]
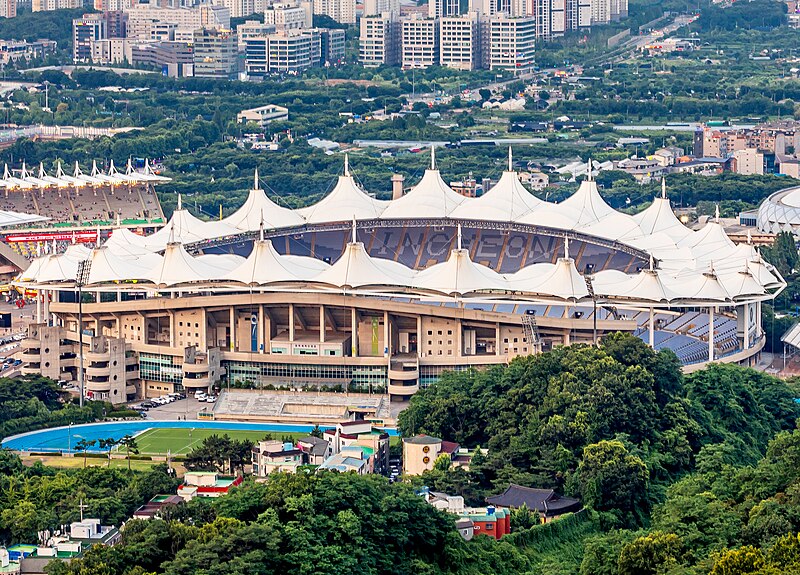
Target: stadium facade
[(383, 296)]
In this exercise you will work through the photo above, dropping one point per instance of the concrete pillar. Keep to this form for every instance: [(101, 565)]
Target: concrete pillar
[(171, 329), (354, 331), (119, 295), (746, 324), (261, 345), (39, 295), (232, 321), (419, 336), (459, 338), (566, 337), (291, 323), (387, 352), (497, 343), (46, 305), (711, 333), (652, 329), (322, 324)]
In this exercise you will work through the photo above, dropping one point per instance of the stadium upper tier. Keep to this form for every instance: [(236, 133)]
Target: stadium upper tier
[(83, 199), (647, 259), (780, 212)]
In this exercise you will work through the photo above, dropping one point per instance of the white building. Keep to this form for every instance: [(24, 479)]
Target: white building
[(343, 11), (512, 43), (111, 51), (420, 42), (379, 40), (376, 7), (288, 16), (237, 8), (263, 115), (749, 162), (288, 51), (90, 28), (143, 18), (441, 8), (459, 42), (49, 5), (8, 8), (253, 29)]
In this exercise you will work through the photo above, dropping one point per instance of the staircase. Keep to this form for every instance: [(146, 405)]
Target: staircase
[(531, 331)]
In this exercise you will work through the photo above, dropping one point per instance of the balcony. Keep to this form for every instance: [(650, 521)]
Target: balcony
[(403, 390), (100, 386), (94, 371), (31, 343), (195, 367), (199, 383), (30, 357)]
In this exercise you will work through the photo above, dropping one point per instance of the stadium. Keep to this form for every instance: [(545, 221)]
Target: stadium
[(780, 212), (381, 297)]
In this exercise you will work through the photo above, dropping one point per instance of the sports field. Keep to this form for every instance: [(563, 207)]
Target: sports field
[(160, 441)]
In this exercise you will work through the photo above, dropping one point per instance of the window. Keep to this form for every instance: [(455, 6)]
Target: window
[(449, 332)]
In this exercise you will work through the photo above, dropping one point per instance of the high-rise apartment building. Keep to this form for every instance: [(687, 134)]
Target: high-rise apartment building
[(8, 8), (143, 17), (377, 7), (512, 43), (332, 46), (237, 8), (442, 8), (49, 5), (420, 42), (459, 42), (215, 53), (379, 40), (343, 11), (109, 5), (90, 28)]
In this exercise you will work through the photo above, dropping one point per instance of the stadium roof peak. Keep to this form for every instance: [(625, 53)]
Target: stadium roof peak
[(507, 201), (430, 198)]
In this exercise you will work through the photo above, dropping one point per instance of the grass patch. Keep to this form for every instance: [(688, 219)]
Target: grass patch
[(77, 462), (160, 441)]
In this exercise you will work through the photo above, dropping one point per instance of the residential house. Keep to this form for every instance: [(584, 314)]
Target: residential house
[(272, 455), (421, 451), (156, 505), (206, 484), (546, 502)]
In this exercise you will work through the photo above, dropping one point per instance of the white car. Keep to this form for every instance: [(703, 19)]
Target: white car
[(211, 399)]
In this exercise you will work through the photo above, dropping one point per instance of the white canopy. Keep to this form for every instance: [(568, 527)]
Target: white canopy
[(345, 202), (258, 209), (356, 268), (647, 285), (108, 266), (560, 280), (185, 228), (265, 266), (507, 201), (179, 267), (659, 218), (459, 275)]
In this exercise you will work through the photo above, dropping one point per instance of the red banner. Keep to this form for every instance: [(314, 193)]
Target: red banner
[(81, 237)]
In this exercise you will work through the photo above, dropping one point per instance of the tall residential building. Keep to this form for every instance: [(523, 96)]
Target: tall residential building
[(8, 8), (111, 51), (288, 17), (343, 11), (90, 28), (512, 43), (332, 46), (459, 42), (215, 53), (442, 8), (50, 5), (420, 42), (108, 5), (237, 8), (379, 40), (376, 7)]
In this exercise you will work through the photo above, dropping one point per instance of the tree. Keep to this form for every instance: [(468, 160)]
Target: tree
[(609, 478), (129, 442), (741, 561), (523, 518), (108, 444), (649, 555), (83, 446), (316, 432)]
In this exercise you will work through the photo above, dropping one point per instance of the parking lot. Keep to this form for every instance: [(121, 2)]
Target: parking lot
[(177, 410)]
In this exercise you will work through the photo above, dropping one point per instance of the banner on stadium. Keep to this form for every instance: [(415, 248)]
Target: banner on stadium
[(82, 237)]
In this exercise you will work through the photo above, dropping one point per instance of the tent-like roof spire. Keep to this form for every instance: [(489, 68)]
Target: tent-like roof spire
[(354, 238), (261, 225), (180, 202), (664, 188), (458, 244), (510, 161), (255, 182), (566, 248), (433, 157), (346, 166), (716, 213), (589, 172)]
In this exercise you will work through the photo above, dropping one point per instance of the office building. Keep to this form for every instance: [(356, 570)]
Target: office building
[(332, 46), (419, 41), (173, 59), (215, 53), (237, 8), (459, 42), (90, 28), (379, 40), (111, 51), (511, 43), (112, 5), (252, 29), (142, 18), (342, 11), (285, 17), (292, 51)]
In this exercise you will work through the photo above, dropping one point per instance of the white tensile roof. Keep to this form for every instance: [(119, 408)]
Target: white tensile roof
[(659, 218), (560, 280), (704, 287), (430, 198), (345, 202), (586, 206), (258, 209), (647, 285), (185, 228), (109, 267), (266, 266), (459, 275), (62, 267), (356, 269), (179, 267)]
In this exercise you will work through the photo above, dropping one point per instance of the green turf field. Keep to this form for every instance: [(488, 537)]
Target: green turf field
[(159, 441)]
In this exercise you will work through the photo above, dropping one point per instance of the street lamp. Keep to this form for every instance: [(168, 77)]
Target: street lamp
[(82, 279)]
